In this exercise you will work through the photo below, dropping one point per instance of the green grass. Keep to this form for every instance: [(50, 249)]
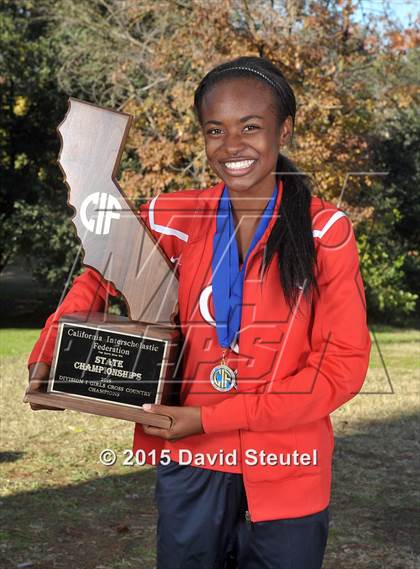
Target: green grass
[(60, 508), (17, 341)]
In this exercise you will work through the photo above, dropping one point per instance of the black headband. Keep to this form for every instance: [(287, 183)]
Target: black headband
[(252, 70)]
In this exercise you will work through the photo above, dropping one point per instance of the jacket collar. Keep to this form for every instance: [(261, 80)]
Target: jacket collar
[(209, 198)]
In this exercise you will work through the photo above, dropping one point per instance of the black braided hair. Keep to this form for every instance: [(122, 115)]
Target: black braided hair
[(291, 236)]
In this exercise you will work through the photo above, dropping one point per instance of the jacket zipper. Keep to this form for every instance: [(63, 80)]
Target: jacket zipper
[(248, 513)]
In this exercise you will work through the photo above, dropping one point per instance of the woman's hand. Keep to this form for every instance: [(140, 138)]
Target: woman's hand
[(186, 421), (38, 377)]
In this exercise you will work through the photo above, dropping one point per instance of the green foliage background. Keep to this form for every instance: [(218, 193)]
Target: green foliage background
[(147, 58)]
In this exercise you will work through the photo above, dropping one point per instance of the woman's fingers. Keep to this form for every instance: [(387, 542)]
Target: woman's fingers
[(38, 377)]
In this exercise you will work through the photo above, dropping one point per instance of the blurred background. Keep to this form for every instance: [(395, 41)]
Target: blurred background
[(354, 66)]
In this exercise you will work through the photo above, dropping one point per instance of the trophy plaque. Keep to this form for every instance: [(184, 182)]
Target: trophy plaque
[(106, 364)]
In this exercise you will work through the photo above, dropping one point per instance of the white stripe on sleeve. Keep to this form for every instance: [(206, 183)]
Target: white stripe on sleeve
[(163, 228), (321, 232)]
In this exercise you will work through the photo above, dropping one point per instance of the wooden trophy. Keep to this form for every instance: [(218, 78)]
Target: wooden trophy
[(105, 364)]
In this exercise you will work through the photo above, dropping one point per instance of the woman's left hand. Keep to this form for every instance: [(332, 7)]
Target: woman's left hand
[(186, 421)]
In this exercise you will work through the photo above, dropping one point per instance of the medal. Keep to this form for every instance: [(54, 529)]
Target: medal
[(228, 281), (222, 377)]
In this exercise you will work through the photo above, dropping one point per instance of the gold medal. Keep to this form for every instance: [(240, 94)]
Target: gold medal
[(222, 377)]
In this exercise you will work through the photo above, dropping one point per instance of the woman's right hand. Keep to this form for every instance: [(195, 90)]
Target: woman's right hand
[(38, 377)]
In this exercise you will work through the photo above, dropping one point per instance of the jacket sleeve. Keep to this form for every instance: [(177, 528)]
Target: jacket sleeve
[(88, 292), (337, 363)]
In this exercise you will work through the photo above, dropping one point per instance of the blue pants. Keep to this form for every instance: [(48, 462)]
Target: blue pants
[(202, 525)]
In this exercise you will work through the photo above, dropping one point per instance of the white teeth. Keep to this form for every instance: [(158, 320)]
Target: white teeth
[(239, 165)]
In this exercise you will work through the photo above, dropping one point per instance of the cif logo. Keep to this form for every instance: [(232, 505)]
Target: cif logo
[(223, 378), (106, 206)]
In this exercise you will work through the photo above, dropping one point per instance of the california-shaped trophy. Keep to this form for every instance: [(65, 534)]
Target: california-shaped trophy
[(106, 364)]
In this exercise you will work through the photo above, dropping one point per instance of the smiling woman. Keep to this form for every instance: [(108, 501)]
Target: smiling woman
[(247, 109), (306, 307), (270, 349), (243, 148), (241, 143)]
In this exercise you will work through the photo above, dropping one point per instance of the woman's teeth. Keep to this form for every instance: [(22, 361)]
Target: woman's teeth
[(239, 165)]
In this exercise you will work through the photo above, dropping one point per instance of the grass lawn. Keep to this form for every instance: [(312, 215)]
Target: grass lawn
[(60, 508)]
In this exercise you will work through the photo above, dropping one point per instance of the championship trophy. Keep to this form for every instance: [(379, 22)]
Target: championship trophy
[(106, 364)]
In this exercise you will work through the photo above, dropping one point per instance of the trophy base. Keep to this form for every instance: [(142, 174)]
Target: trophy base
[(62, 401), (110, 365)]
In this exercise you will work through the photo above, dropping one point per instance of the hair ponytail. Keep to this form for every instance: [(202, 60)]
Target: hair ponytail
[(291, 236)]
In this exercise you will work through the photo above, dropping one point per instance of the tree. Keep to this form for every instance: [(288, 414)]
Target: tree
[(32, 106), (147, 59)]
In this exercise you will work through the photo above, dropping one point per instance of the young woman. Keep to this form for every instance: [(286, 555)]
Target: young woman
[(272, 311)]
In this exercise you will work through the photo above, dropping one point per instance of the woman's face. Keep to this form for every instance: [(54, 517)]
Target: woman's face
[(242, 135)]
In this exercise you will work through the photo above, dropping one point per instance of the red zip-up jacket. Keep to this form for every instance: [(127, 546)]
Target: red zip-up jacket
[(294, 368)]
